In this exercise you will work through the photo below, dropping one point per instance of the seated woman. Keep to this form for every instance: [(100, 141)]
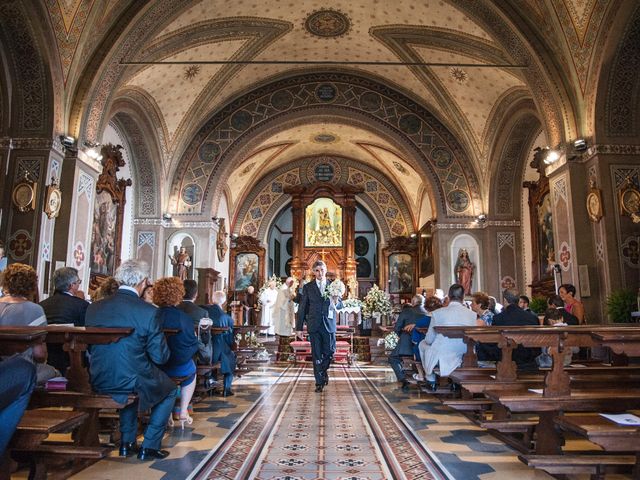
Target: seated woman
[(574, 306), (480, 305), (167, 295), (20, 284)]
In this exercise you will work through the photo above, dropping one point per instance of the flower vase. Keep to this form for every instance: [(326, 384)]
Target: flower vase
[(377, 316)]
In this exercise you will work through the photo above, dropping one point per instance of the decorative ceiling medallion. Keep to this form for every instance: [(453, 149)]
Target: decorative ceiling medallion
[(327, 23), (192, 194), (458, 200), (325, 138), (323, 169), (459, 75), (191, 72)]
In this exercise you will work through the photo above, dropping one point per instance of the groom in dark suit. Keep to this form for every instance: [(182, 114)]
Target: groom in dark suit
[(319, 311)]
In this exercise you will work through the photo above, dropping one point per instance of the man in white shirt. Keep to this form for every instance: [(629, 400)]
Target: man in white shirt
[(436, 349)]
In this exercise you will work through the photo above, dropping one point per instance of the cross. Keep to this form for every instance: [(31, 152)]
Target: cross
[(322, 253)]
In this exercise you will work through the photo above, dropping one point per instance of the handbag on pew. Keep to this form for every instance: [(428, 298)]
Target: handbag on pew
[(205, 346)]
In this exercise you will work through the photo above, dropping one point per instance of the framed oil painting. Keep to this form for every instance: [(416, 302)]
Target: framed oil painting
[(400, 273), (425, 250), (246, 271), (104, 228), (323, 224)]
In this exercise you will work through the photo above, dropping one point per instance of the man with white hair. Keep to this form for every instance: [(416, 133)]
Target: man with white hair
[(284, 318), (130, 364), (222, 342)]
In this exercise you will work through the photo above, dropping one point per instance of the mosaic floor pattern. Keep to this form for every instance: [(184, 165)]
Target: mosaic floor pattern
[(349, 431)]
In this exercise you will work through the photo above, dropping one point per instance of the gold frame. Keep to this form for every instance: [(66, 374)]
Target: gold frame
[(24, 205), (629, 199), (52, 191), (594, 203)]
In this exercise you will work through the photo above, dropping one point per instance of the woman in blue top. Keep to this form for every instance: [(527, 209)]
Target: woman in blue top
[(167, 294), (480, 305), (430, 304)]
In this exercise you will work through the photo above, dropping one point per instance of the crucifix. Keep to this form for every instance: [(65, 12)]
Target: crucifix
[(322, 253)]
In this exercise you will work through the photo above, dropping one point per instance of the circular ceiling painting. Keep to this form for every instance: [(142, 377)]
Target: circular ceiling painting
[(327, 23)]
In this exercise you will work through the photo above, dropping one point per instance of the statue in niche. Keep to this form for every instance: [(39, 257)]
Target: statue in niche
[(464, 271), (323, 224)]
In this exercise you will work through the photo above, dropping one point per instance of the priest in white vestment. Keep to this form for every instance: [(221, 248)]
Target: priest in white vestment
[(284, 318), (268, 300)]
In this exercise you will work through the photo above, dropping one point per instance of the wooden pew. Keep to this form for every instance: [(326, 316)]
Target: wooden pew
[(18, 339), (36, 425), (611, 436)]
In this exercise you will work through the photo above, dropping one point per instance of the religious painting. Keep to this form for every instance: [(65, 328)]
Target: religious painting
[(323, 224), (425, 250), (400, 273), (546, 249), (246, 271), (103, 241)]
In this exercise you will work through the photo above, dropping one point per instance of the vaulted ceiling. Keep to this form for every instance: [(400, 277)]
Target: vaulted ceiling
[(467, 62)]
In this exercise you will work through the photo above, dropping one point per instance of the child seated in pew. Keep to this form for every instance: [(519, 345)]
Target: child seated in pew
[(553, 318)]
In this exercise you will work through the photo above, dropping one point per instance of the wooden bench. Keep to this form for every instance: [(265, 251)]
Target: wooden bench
[(67, 459), (34, 428), (595, 465)]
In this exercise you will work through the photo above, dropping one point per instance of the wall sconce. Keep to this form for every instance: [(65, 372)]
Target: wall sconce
[(552, 156), (580, 145), (167, 217), (217, 220), (481, 219), (68, 142)]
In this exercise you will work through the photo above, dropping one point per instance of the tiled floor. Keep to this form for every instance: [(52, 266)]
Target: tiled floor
[(287, 401)]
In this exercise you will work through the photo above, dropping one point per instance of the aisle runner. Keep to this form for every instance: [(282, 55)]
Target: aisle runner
[(347, 432)]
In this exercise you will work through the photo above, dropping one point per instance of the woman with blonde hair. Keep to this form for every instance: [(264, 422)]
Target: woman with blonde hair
[(167, 295)]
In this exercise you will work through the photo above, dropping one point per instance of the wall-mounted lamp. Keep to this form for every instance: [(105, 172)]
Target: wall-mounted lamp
[(580, 145), (234, 236), (167, 217), (482, 218), (552, 156), (413, 235), (67, 141), (217, 220)]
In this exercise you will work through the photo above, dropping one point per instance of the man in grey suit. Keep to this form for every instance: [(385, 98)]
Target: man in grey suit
[(130, 365), (318, 310)]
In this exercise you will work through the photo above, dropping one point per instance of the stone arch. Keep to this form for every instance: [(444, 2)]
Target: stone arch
[(512, 149), (266, 199), (617, 106), (442, 158), (131, 120)]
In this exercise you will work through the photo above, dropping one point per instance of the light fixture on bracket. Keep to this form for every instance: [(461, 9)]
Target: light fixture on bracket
[(482, 218), (93, 151), (413, 235), (67, 141), (167, 217), (580, 145), (551, 157), (217, 220)]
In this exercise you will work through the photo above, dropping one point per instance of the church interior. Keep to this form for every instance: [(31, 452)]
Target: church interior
[(407, 145)]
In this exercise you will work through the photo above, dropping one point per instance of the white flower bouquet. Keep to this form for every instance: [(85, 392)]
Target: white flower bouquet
[(336, 288), (376, 301), (351, 303), (391, 341)]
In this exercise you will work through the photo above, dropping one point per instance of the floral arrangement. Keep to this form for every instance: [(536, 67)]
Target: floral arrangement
[(391, 341), (252, 340), (376, 301), (336, 288), (274, 279), (351, 303)]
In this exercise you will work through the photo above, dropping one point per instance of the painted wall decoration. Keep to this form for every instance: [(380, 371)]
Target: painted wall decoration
[(400, 273), (246, 268), (447, 163), (323, 224), (103, 243)]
